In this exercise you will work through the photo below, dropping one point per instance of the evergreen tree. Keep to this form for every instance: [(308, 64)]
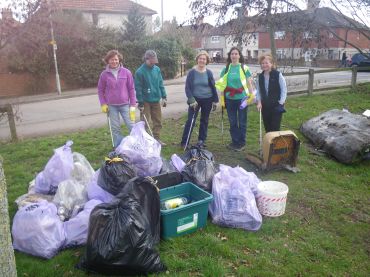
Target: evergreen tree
[(134, 28)]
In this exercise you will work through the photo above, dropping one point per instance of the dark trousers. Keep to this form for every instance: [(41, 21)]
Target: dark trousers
[(238, 121), (271, 119), (205, 106)]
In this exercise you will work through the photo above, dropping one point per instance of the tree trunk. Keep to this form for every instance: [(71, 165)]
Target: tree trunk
[(7, 261), (271, 29)]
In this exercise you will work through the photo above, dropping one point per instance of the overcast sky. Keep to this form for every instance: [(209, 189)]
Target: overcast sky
[(178, 8)]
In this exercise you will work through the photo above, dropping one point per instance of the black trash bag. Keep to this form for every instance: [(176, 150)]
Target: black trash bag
[(123, 234), (196, 152), (167, 166), (200, 168), (115, 172)]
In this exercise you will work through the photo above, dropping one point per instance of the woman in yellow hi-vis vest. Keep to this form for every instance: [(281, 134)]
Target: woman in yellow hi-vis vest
[(237, 92)]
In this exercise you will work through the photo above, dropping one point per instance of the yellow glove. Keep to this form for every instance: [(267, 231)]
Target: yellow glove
[(104, 108)]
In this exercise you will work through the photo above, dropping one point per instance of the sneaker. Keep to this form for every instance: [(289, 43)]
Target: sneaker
[(239, 148), (231, 146)]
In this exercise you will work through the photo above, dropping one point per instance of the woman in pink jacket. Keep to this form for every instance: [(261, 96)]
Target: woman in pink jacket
[(116, 92)]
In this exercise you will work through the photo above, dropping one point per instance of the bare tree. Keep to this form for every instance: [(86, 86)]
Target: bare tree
[(359, 11), (20, 17), (263, 11)]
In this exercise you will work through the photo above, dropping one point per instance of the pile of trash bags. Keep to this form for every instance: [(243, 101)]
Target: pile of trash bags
[(115, 210)]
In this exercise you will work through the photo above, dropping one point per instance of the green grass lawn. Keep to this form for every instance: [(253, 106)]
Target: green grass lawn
[(324, 232)]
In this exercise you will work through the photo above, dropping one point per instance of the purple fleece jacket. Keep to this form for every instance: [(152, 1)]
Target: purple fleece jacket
[(118, 91)]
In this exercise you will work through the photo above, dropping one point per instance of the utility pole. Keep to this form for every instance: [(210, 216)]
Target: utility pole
[(162, 13), (54, 45)]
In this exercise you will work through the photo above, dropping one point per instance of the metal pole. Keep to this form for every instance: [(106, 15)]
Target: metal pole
[(53, 43), (162, 13)]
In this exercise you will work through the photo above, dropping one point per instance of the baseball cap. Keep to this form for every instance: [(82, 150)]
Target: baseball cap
[(151, 54)]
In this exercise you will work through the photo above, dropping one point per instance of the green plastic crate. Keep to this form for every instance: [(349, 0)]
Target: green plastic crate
[(187, 218)]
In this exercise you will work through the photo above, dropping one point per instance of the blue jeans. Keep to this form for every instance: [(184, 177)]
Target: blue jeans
[(114, 112), (238, 121), (205, 106)]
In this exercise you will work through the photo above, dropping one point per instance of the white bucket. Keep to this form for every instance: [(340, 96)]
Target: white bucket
[(271, 199)]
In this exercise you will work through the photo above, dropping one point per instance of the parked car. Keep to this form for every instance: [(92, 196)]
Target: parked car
[(361, 61)]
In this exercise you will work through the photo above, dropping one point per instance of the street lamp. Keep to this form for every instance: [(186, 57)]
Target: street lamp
[(54, 45)]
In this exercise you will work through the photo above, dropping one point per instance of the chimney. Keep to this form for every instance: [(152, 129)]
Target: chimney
[(6, 14), (312, 4), (200, 20)]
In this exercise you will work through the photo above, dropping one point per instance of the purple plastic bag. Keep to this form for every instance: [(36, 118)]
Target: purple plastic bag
[(143, 151), (94, 191), (76, 228), (234, 204), (57, 169), (177, 162), (37, 230)]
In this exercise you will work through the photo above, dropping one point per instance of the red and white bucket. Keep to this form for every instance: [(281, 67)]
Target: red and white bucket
[(271, 199)]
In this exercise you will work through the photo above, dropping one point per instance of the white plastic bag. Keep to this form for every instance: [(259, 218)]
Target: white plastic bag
[(76, 228), (57, 169), (143, 151), (37, 230), (234, 204)]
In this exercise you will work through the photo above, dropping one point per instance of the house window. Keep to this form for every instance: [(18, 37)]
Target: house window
[(331, 54), (280, 54), (280, 35), (307, 35), (331, 35), (215, 39)]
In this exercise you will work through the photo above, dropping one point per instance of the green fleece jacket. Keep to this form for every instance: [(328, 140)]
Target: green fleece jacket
[(149, 84)]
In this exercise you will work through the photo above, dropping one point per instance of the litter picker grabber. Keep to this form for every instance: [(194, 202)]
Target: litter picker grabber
[(147, 124), (196, 110), (110, 129), (222, 125), (260, 151)]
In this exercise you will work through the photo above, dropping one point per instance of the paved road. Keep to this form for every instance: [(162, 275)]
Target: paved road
[(45, 115)]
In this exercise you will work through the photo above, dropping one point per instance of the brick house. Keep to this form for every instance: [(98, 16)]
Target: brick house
[(106, 13), (314, 33)]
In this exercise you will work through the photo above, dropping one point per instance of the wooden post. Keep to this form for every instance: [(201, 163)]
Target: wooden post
[(354, 77), (9, 110), (7, 260), (311, 73)]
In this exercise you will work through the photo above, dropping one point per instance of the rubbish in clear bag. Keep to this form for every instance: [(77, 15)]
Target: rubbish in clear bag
[(143, 151), (123, 234), (234, 204), (115, 172), (200, 167), (70, 194), (76, 228), (177, 162), (94, 191), (82, 170), (37, 230), (57, 169)]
